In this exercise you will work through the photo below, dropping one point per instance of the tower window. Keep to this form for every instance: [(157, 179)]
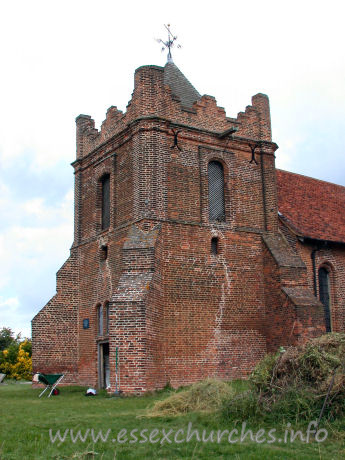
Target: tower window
[(100, 319), (214, 246), (107, 318), (216, 191), (105, 201), (324, 284)]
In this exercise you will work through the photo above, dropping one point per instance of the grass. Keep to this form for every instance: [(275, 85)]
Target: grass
[(25, 421)]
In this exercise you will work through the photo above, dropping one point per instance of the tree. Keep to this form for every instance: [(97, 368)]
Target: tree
[(7, 338)]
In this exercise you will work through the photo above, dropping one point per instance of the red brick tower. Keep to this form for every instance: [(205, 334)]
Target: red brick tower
[(177, 260)]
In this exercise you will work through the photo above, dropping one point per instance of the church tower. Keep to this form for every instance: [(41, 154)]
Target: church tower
[(178, 270)]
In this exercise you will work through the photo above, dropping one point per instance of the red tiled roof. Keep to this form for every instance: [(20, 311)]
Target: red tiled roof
[(312, 207)]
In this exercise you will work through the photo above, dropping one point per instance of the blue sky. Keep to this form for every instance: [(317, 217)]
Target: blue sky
[(65, 58)]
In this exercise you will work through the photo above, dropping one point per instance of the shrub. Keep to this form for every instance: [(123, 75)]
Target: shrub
[(16, 361), (262, 374)]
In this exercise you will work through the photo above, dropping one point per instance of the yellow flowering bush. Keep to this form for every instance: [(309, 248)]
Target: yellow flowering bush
[(16, 361)]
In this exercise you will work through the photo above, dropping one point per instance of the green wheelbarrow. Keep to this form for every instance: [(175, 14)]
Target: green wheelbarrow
[(51, 381)]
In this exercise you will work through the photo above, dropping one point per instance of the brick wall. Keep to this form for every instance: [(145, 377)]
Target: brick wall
[(333, 258), (178, 313), (55, 327)]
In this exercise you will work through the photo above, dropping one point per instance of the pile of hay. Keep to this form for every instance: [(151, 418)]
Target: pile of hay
[(311, 365), (304, 374), (205, 396)]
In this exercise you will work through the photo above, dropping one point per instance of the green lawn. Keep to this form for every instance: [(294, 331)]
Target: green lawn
[(25, 421)]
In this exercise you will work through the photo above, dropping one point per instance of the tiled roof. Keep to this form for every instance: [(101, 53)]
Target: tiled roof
[(179, 85), (313, 208)]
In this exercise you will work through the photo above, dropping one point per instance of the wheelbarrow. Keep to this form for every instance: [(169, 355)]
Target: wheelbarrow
[(51, 381)]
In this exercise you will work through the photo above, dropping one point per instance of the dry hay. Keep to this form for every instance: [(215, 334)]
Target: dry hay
[(204, 396), (307, 369)]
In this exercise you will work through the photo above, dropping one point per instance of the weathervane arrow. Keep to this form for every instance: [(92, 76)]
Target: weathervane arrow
[(169, 43)]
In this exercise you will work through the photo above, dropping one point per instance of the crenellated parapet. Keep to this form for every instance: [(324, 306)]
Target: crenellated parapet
[(86, 134), (255, 122), (164, 92), (113, 120)]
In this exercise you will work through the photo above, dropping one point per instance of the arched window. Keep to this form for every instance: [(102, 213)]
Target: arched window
[(324, 293), (105, 182), (216, 191), (107, 318), (100, 320)]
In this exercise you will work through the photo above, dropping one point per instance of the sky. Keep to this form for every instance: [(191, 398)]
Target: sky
[(60, 59)]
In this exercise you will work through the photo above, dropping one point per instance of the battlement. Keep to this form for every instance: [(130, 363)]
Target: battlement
[(164, 92)]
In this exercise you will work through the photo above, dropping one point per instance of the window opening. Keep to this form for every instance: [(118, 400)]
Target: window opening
[(104, 252), (324, 285), (105, 202), (107, 318), (216, 191), (214, 246), (100, 319)]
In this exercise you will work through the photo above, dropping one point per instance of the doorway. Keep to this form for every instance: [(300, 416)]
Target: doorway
[(103, 365)]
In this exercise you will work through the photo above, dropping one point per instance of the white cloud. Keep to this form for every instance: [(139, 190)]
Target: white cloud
[(12, 317), (42, 240), (31, 254), (10, 303), (45, 214)]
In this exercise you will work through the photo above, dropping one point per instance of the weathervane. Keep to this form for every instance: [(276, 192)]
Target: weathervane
[(168, 44)]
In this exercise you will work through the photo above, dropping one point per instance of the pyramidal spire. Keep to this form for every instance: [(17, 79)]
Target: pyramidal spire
[(180, 86), (173, 77)]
